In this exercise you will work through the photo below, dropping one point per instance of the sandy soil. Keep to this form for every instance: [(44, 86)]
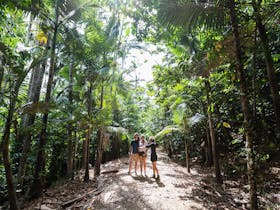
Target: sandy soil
[(177, 189)]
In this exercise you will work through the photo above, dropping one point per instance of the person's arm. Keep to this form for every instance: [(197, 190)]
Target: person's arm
[(130, 148), (149, 145)]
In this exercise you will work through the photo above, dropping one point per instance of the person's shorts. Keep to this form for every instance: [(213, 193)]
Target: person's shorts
[(153, 157), (134, 157), (142, 154)]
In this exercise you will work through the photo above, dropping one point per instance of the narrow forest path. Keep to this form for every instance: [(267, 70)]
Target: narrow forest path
[(175, 190)]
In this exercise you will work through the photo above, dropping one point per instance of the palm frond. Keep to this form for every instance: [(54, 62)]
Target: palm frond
[(69, 9), (72, 9), (167, 130), (190, 14), (197, 118), (41, 107), (113, 129)]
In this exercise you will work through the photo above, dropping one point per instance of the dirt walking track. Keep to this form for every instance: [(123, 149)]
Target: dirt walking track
[(176, 190)]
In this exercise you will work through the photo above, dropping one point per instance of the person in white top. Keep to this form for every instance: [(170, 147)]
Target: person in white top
[(142, 150)]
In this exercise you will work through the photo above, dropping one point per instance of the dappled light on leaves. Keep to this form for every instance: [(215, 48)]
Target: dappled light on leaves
[(78, 78)]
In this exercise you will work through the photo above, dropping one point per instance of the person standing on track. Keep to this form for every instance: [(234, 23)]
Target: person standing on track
[(142, 154), (152, 144), (134, 156)]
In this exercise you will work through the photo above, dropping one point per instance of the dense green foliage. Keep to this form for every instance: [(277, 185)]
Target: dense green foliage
[(62, 79)]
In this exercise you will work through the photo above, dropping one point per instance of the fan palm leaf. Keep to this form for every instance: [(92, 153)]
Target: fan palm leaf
[(193, 14)]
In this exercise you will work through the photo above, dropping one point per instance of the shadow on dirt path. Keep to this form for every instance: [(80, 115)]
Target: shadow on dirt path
[(176, 190)]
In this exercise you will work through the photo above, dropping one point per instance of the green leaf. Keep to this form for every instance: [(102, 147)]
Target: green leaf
[(235, 141), (276, 57), (127, 32), (226, 124)]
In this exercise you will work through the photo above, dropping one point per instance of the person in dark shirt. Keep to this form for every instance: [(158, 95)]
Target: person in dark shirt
[(152, 144), (134, 156)]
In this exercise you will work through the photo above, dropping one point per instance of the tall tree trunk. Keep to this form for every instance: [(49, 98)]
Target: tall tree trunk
[(187, 156), (99, 141), (209, 156), (70, 127), (215, 151), (75, 146), (1, 79), (245, 107), (16, 130), (84, 161), (70, 152), (37, 185), (98, 154), (274, 88), (29, 32), (5, 147), (90, 104), (209, 148), (86, 177), (6, 160), (254, 94), (34, 96)]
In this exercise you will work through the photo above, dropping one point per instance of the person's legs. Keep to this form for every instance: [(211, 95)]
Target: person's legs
[(141, 164), (156, 169), (136, 161), (144, 164), (154, 175)]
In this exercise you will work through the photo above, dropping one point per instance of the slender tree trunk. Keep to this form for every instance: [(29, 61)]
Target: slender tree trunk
[(274, 88), (37, 185), (86, 177), (187, 156), (94, 145), (16, 130), (75, 146), (1, 80), (245, 108), (84, 161), (98, 154), (70, 152), (99, 141), (70, 127), (90, 105), (209, 155), (5, 148), (28, 35), (215, 151), (254, 94), (34, 95), (209, 148), (6, 159)]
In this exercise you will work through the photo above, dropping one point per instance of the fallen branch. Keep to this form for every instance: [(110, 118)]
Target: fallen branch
[(70, 202), (110, 171), (92, 200)]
